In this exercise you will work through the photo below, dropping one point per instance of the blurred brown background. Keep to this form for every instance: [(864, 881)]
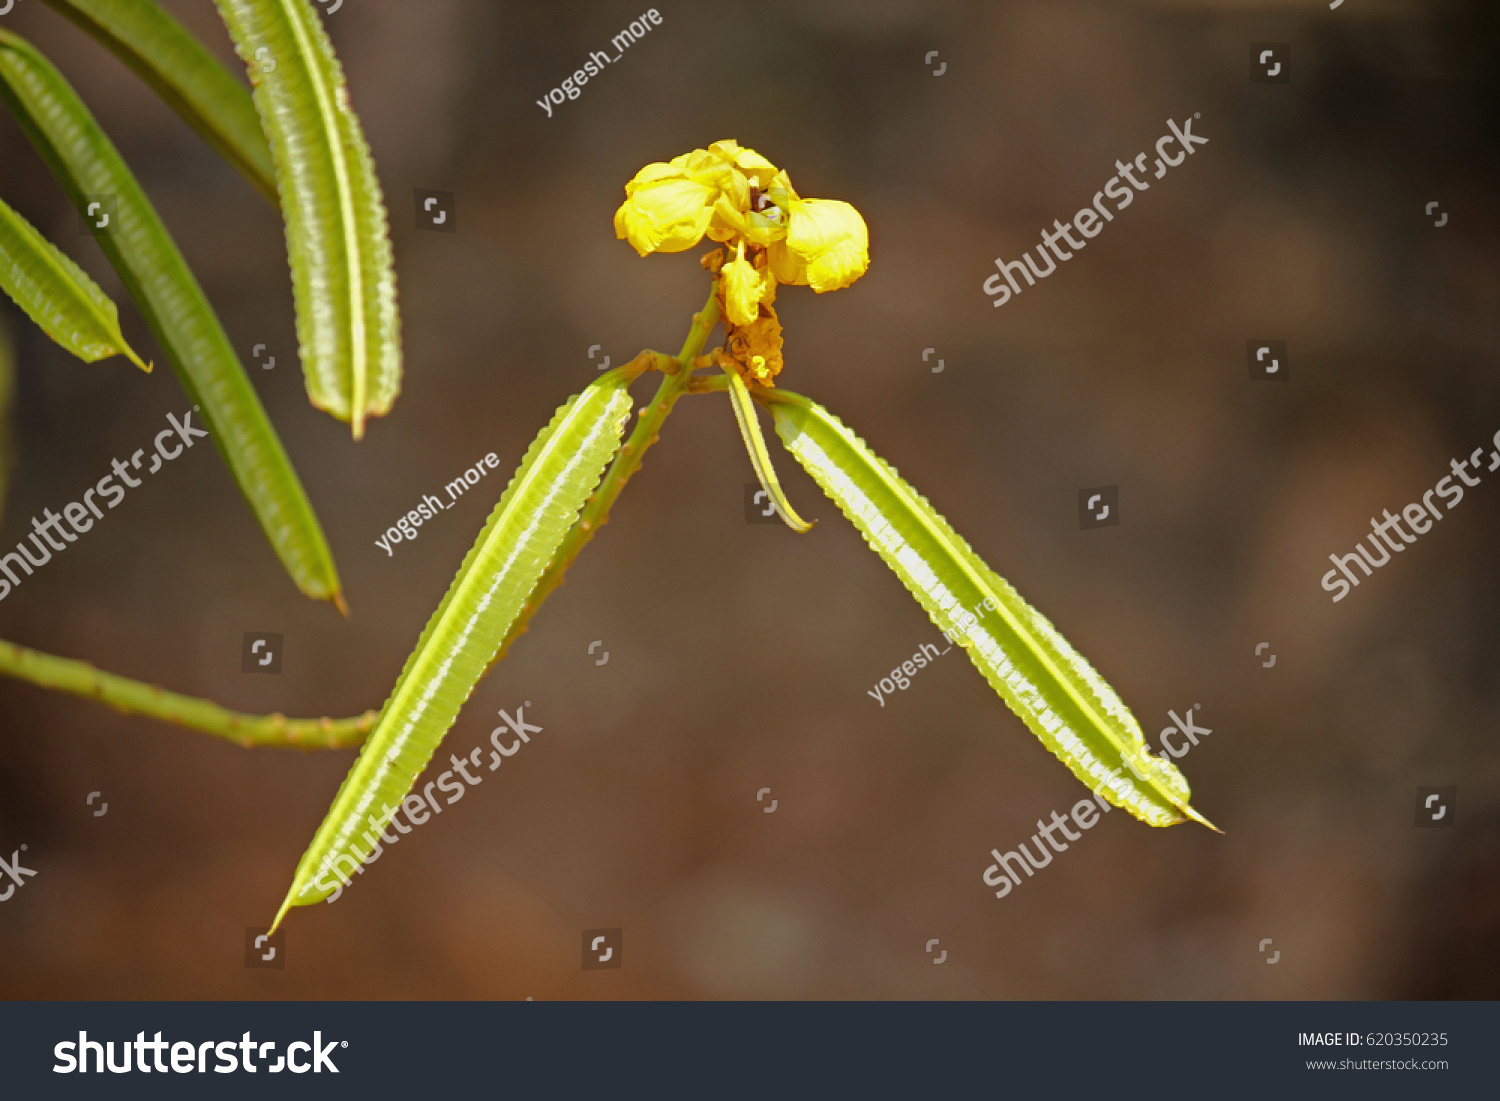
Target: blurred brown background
[(739, 654)]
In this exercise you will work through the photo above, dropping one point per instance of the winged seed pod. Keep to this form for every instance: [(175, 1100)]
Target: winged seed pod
[(174, 307), (57, 294), (190, 79), (543, 500), (337, 237), (1046, 682)]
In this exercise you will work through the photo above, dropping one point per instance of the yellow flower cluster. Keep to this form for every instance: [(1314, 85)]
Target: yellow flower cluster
[(738, 198)]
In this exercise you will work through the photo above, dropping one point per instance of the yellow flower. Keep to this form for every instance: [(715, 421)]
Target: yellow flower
[(735, 196), (670, 206), (827, 245), (744, 287), (664, 210)]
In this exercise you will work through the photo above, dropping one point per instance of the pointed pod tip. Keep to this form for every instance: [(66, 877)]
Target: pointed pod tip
[(338, 602), (280, 914), (129, 353), (1196, 817)]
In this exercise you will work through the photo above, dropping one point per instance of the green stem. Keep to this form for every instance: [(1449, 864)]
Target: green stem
[(131, 696), (595, 514)]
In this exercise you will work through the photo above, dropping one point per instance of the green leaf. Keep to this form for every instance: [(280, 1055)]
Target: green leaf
[(491, 589), (336, 231), (186, 75), (1063, 700), (174, 307), (57, 294)]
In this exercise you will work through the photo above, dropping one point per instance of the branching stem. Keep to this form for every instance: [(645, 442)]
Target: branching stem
[(595, 514), (134, 697)]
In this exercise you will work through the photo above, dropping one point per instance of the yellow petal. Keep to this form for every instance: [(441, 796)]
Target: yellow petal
[(830, 238), (743, 287), (728, 215), (785, 265), (738, 191), (665, 215), (704, 167), (654, 171), (766, 226), (752, 163)]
